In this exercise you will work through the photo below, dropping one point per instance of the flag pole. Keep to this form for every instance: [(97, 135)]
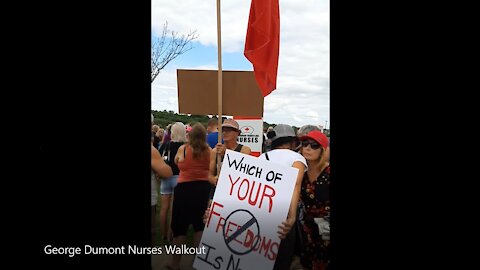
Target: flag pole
[(219, 51)]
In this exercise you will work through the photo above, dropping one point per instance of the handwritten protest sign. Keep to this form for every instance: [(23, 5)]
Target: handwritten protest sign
[(251, 199)]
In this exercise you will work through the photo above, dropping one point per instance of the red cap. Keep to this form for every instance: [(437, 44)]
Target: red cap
[(317, 136)]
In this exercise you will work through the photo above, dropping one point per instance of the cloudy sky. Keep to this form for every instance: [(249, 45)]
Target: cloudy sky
[(303, 81)]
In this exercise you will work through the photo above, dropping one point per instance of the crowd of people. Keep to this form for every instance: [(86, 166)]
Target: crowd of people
[(185, 169)]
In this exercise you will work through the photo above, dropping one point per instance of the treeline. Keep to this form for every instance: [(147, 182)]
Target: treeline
[(163, 118)]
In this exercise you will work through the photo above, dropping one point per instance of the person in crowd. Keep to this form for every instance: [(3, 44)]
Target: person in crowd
[(192, 190), (303, 130), (283, 142), (306, 129), (156, 140), (169, 151), (230, 132), (159, 135), (299, 232), (188, 128), (267, 142), (212, 132), (315, 195), (167, 134), (160, 169)]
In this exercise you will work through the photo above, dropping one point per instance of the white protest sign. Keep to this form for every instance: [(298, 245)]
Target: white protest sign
[(251, 199), (252, 133)]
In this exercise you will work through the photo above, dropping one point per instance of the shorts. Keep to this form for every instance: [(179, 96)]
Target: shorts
[(167, 185)]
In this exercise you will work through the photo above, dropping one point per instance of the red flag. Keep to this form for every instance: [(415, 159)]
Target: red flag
[(262, 43)]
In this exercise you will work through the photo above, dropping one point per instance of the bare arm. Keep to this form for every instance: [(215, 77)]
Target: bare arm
[(180, 154), (212, 178), (292, 212), (245, 150), (158, 164)]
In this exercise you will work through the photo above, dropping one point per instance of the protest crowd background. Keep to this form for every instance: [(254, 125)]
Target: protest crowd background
[(183, 189)]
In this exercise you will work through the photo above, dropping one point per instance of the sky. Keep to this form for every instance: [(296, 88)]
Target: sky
[(303, 81)]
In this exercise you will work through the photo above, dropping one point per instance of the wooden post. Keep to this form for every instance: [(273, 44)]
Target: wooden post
[(219, 52)]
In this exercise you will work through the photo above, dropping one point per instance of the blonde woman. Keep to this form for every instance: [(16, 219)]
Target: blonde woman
[(315, 195), (169, 151)]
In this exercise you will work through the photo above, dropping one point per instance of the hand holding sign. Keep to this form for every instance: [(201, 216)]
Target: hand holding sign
[(286, 226), (252, 198), (220, 149)]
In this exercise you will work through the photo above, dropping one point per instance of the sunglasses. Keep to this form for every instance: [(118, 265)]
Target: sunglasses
[(313, 145), (228, 129)]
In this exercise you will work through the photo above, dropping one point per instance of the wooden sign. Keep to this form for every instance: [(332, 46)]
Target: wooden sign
[(198, 93)]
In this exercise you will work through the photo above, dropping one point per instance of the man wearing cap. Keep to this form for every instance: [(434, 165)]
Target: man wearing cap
[(283, 145), (230, 132)]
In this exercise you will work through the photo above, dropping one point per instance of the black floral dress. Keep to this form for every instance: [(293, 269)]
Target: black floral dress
[(316, 198)]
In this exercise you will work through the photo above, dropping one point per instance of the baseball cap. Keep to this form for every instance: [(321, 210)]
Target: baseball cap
[(317, 136), (282, 130), (231, 123)]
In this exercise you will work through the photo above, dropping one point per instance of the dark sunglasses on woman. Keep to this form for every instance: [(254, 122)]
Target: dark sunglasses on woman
[(313, 145)]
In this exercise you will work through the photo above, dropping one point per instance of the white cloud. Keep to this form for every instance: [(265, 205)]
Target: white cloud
[(303, 89)]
